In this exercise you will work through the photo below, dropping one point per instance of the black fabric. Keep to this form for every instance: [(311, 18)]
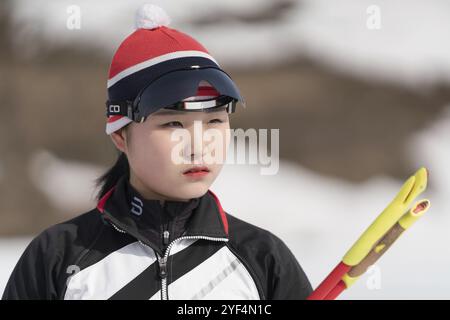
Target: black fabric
[(145, 285), (180, 84), (193, 217), (270, 261), (182, 262), (44, 268), (172, 216), (46, 264)]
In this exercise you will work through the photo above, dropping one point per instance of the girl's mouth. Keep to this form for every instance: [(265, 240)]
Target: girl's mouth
[(197, 172)]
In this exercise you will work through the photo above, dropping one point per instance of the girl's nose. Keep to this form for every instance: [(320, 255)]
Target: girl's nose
[(195, 148), (198, 149)]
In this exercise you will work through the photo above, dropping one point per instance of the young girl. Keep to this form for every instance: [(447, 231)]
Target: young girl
[(158, 232)]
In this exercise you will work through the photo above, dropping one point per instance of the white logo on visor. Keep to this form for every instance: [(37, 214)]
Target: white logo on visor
[(114, 108)]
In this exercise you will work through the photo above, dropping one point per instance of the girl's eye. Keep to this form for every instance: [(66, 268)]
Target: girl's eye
[(179, 124), (173, 124)]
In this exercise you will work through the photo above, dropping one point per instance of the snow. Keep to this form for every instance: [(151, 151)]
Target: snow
[(68, 185), (409, 48)]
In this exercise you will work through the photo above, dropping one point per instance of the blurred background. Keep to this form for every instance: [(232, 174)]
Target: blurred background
[(360, 91)]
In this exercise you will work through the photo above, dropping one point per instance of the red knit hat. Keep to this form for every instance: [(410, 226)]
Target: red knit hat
[(151, 51)]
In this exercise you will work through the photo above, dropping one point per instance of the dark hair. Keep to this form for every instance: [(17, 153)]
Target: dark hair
[(110, 177)]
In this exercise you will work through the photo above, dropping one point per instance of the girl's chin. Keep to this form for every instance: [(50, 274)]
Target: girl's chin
[(192, 190)]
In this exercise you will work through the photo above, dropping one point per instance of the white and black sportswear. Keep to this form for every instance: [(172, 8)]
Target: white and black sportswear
[(129, 247)]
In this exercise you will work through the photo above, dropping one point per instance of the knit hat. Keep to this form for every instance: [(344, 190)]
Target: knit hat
[(157, 65)]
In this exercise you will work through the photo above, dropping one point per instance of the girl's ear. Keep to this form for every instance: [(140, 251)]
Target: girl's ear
[(119, 138)]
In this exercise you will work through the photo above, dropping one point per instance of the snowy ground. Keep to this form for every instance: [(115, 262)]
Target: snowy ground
[(319, 218)]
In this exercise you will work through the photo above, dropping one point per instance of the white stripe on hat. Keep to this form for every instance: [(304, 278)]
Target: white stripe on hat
[(116, 125), (156, 60)]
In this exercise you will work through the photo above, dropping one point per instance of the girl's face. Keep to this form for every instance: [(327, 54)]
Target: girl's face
[(154, 156)]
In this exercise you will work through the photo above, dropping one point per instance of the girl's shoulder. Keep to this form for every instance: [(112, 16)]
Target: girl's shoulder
[(268, 257), (55, 251), (81, 228), (244, 234)]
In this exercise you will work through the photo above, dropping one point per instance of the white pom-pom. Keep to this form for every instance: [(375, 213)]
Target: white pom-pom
[(150, 16)]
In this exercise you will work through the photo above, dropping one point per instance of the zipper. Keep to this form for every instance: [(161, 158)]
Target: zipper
[(117, 228), (162, 260)]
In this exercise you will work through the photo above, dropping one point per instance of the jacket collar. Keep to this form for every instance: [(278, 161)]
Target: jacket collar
[(129, 211), (150, 213)]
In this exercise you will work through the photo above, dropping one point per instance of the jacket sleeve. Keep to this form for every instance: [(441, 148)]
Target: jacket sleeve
[(32, 277), (289, 281)]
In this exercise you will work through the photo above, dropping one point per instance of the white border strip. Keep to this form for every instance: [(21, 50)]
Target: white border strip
[(153, 61), (116, 125)]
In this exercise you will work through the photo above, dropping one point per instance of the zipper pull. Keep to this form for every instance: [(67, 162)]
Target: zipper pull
[(162, 267), (166, 237)]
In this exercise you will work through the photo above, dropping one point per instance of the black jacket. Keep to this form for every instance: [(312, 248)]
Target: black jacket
[(132, 248)]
